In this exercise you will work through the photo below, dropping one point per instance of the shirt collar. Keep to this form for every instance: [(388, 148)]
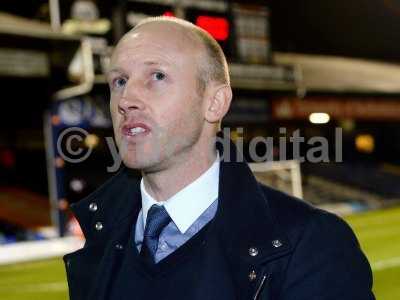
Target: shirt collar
[(186, 206)]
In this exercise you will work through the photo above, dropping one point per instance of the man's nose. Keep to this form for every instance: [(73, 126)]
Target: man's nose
[(132, 98)]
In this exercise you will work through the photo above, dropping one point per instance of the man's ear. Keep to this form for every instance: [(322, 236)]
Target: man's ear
[(219, 103)]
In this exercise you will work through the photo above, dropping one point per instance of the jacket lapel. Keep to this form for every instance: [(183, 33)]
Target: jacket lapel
[(113, 256), (114, 201), (247, 229), (117, 203)]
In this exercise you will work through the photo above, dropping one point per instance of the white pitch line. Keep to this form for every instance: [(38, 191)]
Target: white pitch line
[(36, 288), (27, 265), (386, 264)]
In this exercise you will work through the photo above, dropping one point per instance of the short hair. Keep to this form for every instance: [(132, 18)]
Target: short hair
[(216, 67)]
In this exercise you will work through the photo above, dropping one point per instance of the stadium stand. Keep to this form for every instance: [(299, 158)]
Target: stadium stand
[(22, 214), (368, 177)]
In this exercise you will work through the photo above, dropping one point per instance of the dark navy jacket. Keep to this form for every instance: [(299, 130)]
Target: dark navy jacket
[(269, 245)]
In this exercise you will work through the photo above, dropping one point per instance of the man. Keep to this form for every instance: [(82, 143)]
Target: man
[(194, 227)]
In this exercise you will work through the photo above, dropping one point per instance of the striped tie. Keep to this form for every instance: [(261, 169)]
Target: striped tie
[(157, 219)]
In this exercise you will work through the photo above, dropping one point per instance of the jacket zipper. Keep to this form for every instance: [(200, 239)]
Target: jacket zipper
[(260, 287)]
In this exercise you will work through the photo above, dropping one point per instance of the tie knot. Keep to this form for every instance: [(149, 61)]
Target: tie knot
[(157, 219)]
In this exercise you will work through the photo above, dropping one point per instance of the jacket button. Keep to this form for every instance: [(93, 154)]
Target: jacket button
[(276, 243), (93, 207), (253, 251), (252, 276), (98, 226), (119, 246)]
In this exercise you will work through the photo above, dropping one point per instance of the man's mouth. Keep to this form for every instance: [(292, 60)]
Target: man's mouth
[(136, 130), (133, 130)]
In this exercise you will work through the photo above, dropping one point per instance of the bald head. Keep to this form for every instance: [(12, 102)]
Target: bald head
[(170, 79), (211, 63)]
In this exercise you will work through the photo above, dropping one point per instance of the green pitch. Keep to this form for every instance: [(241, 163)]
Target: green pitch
[(378, 232), (379, 235), (42, 280)]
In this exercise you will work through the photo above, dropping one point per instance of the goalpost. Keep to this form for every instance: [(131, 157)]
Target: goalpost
[(282, 175)]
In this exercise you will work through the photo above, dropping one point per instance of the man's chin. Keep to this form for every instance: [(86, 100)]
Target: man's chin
[(135, 164), (140, 163), (136, 157)]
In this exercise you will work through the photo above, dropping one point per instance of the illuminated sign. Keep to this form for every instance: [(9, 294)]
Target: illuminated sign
[(216, 26), (337, 108), (169, 14)]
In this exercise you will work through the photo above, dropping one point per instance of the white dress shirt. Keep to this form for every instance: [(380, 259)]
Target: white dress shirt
[(187, 205)]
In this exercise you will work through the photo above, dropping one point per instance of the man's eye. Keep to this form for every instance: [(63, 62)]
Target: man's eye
[(119, 82), (158, 76)]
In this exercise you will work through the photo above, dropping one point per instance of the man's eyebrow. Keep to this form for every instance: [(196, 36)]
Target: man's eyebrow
[(156, 63), (114, 70), (147, 63)]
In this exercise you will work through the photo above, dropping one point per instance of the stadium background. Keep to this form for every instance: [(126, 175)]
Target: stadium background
[(309, 66)]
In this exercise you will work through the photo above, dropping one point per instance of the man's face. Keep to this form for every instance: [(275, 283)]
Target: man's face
[(155, 107)]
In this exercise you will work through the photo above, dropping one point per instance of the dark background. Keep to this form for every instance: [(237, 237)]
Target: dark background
[(354, 28)]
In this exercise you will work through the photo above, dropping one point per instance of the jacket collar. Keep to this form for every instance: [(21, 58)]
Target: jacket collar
[(244, 219), (117, 199)]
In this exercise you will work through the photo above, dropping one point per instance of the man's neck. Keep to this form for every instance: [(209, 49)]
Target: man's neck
[(164, 184)]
